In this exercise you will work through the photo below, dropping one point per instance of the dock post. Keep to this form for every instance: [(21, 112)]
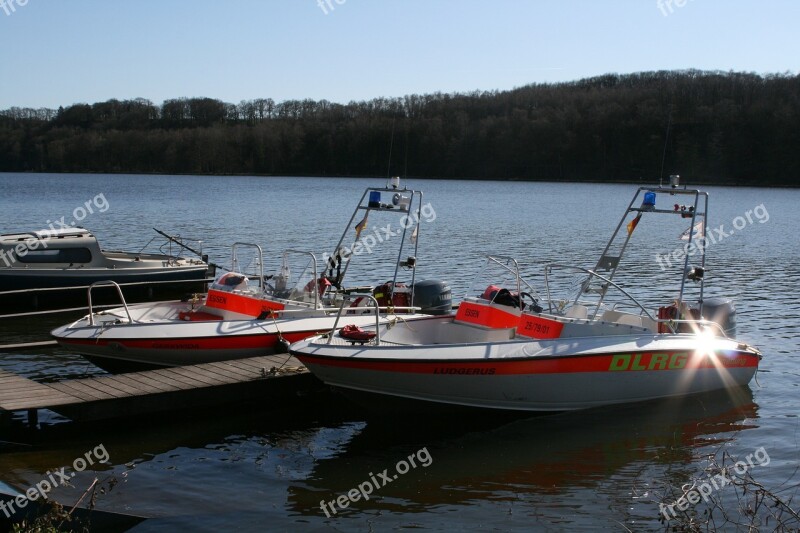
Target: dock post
[(33, 418)]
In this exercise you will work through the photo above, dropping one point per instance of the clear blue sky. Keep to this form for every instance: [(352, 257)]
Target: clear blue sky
[(57, 52)]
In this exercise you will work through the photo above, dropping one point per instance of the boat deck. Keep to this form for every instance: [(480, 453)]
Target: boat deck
[(151, 391)]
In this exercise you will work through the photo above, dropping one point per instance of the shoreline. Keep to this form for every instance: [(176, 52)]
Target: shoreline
[(642, 181)]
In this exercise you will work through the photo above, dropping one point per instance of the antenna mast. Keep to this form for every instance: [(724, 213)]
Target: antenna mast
[(391, 145), (664, 155)]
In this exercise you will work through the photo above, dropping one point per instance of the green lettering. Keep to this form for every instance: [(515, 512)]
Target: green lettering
[(636, 365), (620, 362), (677, 361), (658, 361)]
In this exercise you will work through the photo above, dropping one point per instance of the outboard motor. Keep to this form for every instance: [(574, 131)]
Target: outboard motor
[(723, 312), (434, 297)]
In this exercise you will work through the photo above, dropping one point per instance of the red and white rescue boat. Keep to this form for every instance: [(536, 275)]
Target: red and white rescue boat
[(508, 349), (236, 319)]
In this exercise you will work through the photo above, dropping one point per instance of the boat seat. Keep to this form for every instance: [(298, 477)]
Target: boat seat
[(197, 316), (460, 332), (610, 316), (649, 324), (577, 311), (630, 320)]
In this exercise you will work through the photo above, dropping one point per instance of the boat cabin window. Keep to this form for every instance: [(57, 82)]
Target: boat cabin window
[(64, 255)]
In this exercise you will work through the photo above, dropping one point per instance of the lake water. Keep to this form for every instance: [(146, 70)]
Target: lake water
[(269, 467)]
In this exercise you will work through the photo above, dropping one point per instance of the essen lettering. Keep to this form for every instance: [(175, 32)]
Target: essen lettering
[(648, 361)]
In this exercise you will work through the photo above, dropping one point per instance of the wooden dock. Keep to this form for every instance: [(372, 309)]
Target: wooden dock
[(152, 391)]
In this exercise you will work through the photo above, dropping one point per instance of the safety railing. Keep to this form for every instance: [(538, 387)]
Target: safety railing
[(121, 298), (84, 287), (592, 274), (351, 297), (377, 310), (672, 324)]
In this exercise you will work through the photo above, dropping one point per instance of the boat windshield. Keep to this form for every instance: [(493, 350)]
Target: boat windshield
[(297, 279), (499, 281)]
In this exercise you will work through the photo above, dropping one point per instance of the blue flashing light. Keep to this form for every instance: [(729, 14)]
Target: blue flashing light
[(374, 199)]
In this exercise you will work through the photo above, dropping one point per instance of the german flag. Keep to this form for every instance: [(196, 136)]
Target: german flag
[(361, 225), (632, 224)]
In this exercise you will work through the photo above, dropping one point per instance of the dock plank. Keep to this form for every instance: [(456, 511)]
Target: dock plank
[(235, 371), (37, 402), (30, 392), (268, 361), (200, 374), (209, 372), (261, 363), (106, 387), (41, 398), (253, 366), (20, 385), (78, 394), (24, 405), (123, 384), (76, 388), (91, 387), (222, 372), (189, 381), (257, 362), (147, 384), (99, 397), (18, 392), (14, 388), (9, 378)]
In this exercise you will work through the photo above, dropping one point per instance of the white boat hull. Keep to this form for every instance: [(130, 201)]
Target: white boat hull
[(534, 375), (158, 338), (237, 320)]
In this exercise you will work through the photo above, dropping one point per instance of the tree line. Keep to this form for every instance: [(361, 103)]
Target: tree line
[(717, 127)]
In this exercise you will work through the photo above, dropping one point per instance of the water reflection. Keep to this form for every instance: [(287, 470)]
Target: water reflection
[(319, 447), (486, 459)]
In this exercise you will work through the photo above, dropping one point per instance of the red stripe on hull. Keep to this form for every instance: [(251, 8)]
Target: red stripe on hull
[(200, 343), (622, 362)]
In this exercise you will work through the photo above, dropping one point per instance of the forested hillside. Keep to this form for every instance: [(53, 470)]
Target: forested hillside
[(736, 128)]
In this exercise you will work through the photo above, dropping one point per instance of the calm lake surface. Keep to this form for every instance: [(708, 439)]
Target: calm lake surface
[(269, 467)]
